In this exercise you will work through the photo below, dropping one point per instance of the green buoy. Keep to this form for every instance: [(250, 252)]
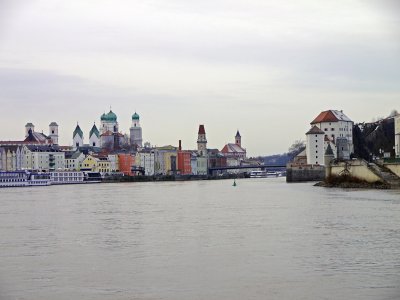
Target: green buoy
[(234, 183)]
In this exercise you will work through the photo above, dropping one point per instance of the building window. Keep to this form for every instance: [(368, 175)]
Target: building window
[(316, 151), (326, 129), (332, 129)]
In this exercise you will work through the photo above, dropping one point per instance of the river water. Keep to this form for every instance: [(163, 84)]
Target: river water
[(263, 239)]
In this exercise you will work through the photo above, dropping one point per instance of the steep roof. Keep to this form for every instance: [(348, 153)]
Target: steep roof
[(237, 134), (201, 129), (35, 137), (95, 131), (232, 148), (78, 131), (331, 116), (315, 130), (329, 150)]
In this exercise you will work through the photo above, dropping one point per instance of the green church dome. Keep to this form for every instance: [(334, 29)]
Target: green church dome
[(135, 116), (111, 117)]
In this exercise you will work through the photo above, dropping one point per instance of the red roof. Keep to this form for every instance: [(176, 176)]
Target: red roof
[(201, 129), (325, 116)]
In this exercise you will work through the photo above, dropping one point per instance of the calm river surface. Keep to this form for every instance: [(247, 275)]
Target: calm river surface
[(263, 239)]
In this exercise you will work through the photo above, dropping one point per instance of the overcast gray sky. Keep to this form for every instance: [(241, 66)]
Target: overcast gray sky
[(265, 67)]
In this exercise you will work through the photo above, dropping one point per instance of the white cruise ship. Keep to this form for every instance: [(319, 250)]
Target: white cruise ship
[(23, 179)]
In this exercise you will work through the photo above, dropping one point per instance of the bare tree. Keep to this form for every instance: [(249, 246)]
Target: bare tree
[(297, 147)]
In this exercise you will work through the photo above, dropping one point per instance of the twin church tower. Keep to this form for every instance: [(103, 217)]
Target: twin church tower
[(109, 136)]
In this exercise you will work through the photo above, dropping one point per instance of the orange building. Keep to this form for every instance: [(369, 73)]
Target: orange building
[(126, 161), (184, 162)]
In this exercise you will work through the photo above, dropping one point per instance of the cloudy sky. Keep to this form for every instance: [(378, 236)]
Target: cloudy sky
[(265, 67)]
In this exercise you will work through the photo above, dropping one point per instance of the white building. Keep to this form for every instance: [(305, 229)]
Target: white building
[(136, 131), (11, 158), (315, 146), (53, 132), (146, 159), (43, 157), (397, 135), (73, 160), (335, 124), (77, 137), (94, 137)]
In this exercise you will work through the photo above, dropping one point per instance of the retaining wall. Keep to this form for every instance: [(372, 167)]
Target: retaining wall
[(305, 173)]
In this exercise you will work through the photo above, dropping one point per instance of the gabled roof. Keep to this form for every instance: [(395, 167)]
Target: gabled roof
[(232, 148), (331, 116), (95, 131), (35, 137), (78, 131), (315, 130)]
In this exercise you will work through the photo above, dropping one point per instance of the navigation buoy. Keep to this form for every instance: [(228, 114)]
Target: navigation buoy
[(234, 183)]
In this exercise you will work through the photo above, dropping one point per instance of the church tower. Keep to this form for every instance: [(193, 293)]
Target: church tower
[(108, 122), (94, 136), (53, 132), (77, 137), (238, 139), (29, 126), (136, 131), (202, 141)]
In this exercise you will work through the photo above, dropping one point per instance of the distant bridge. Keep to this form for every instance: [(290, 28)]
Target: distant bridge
[(262, 167)]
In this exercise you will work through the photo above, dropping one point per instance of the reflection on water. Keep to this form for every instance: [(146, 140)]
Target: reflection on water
[(263, 239)]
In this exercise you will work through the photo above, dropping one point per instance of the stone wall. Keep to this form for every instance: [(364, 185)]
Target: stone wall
[(358, 171), (395, 168), (305, 173)]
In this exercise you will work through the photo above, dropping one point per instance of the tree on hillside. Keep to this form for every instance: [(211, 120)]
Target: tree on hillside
[(297, 147)]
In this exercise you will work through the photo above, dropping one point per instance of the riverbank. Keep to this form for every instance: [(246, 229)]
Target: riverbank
[(350, 182)]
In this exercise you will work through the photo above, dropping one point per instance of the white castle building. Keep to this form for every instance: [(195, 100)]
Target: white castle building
[(330, 127)]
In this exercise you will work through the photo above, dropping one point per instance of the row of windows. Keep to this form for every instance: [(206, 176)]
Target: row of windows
[(67, 179), (13, 180), (67, 174)]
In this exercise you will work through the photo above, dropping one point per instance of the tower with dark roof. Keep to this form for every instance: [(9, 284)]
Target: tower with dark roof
[(315, 146), (77, 137), (136, 131), (108, 122), (238, 139), (94, 136), (202, 141)]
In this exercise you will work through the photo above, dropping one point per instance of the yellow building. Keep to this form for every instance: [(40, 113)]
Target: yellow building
[(96, 164)]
